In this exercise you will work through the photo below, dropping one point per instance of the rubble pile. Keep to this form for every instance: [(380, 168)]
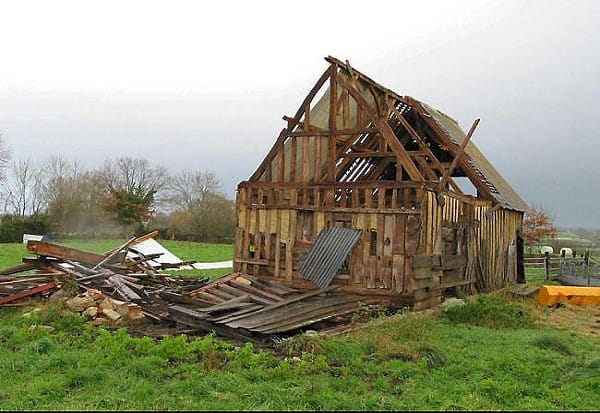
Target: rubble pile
[(126, 285), (122, 284)]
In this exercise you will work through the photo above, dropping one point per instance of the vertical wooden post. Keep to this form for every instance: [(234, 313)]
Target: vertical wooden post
[(332, 124), (546, 265)]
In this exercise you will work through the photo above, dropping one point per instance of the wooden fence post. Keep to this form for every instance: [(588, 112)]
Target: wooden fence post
[(546, 265)]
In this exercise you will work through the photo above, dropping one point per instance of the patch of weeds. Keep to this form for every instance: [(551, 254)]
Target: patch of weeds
[(175, 349), (69, 287), (368, 312), (491, 312), (434, 356), (310, 363), (145, 367), (211, 352), (589, 371), (246, 358), (81, 376), (41, 346), (300, 344), (553, 342)]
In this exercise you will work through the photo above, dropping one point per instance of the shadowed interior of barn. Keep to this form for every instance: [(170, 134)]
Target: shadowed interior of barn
[(361, 190)]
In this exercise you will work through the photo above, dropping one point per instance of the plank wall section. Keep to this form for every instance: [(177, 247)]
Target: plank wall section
[(459, 243), (272, 238)]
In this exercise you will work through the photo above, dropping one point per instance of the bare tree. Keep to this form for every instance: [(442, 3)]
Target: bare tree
[(201, 212), (23, 189), (63, 189), (193, 187), (5, 156), (132, 174)]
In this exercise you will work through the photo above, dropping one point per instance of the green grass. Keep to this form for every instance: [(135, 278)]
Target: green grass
[(495, 352), (410, 361), (11, 254)]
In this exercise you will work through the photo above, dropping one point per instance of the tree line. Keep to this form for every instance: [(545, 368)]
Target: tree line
[(124, 197)]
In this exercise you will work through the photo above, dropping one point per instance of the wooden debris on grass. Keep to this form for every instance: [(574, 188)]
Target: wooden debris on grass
[(111, 276), (117, 287)]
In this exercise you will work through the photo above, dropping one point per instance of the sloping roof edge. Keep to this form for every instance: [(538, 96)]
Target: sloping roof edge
[(499, 189)]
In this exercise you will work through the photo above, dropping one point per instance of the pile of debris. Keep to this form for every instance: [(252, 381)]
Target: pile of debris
[(126, 283), (123, 278)]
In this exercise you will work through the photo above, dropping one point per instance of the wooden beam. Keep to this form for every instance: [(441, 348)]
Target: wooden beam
[(421, 142), (336, 132), (386, 132), (275, 149), (332, 123), (469, 169), (457, 156), (368, 154), (64, 253), (39, 289), (309, 98)]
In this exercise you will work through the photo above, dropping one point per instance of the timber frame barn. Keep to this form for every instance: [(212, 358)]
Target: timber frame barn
[(357, 156)]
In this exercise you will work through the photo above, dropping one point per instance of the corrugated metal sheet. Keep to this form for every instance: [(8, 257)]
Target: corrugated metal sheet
[(327, 254)]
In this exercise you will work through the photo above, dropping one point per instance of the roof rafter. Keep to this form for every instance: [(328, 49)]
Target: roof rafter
[(385, 130)]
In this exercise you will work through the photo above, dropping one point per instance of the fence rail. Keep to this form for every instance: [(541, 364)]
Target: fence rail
[(564, 266)]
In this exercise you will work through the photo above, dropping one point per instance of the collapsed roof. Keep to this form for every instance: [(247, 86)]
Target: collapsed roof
[(377, 134)]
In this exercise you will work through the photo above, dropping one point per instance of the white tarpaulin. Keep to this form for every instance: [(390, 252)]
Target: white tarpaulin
[(150, 247)]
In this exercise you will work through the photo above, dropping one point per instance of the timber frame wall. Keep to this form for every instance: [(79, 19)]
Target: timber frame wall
[(363, 157)]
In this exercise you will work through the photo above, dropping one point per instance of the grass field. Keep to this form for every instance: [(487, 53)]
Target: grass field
[(496, 352)]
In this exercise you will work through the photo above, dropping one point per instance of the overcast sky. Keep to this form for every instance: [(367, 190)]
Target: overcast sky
[(203, 85)]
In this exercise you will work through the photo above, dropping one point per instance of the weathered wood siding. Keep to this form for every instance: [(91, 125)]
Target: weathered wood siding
[(412, 243)]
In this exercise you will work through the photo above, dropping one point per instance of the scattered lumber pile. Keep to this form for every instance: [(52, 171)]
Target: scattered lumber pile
[(126, 283), (122, 275)]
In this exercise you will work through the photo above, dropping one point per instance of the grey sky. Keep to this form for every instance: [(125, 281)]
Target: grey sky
[(204, 85)]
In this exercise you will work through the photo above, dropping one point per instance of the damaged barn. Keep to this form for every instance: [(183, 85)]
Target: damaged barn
[(385, 168)]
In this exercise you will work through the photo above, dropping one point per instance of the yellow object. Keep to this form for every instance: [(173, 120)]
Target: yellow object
[(243, 280), (550, 295)]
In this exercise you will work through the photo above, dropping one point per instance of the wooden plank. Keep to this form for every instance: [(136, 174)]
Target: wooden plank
[(119, 284), (331, 151), (398, 273), (199, 320), (277, 246), (18, 268), (387, 258), (234, 303), (288, 301), (289, 250), (257, 295), (385, 131), (35, 290), (293, 159), (64, 253)]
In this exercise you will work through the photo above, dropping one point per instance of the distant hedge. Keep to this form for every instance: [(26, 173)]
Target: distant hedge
[(13, 227)]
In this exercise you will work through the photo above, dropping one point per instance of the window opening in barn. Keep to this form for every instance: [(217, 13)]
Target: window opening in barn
[(344, 223), (273, 243), (282, 248), (306, 225), (373, 243), (261, 251)]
